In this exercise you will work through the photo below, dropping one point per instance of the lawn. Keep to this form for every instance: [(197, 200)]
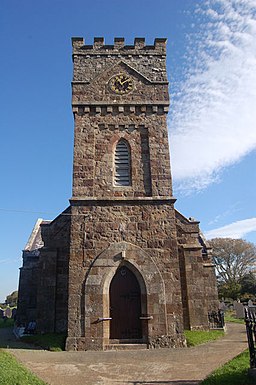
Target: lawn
[(235, 372), (197, 337), (13, 373), (230, 317), (232, 373)]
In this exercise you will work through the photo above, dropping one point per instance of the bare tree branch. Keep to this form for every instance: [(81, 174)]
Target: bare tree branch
[(233, 258)]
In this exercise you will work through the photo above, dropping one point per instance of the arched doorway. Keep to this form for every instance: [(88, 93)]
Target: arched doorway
[(125, 306)]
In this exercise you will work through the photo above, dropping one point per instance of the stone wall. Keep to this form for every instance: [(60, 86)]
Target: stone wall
[(95, 140), (198, 281), (90, 61), (52, 294), (103, 117), (27, 299), (142, 236)]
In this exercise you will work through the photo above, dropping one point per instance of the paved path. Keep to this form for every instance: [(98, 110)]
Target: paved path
[(147, 367)]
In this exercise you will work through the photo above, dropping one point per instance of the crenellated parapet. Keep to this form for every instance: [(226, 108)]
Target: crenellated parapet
[(99, 46), (96, 66)]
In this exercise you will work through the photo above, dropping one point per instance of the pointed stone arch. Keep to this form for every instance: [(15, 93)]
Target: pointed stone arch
[(127, 304), (97, 284)]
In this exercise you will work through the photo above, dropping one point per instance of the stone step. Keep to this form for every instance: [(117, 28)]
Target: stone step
[(126, 347)]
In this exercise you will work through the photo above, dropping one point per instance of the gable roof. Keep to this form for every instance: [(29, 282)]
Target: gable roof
[(35, 239)]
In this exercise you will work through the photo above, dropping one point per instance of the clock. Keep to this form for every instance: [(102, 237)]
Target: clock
[(121, 84)]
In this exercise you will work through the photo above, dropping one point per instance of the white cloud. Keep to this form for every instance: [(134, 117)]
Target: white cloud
[(9, 260), (213, 114), (234, 230), (234, 208)]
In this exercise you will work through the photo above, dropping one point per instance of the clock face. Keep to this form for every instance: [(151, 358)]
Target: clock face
[(121, 84)]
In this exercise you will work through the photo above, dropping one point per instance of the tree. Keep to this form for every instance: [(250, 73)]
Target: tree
[(12, 298), (234, 259), (229, 290), (248, 284)]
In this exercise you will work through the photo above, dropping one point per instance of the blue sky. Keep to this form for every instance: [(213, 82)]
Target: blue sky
[(211, 67)]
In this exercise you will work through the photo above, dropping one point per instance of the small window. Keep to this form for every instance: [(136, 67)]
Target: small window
[(122, 164)]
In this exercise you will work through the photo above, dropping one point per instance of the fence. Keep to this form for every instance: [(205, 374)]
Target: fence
[(216, 319), (250, 321)]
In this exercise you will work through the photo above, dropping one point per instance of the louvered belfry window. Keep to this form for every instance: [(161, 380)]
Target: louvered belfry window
[(122, 164)]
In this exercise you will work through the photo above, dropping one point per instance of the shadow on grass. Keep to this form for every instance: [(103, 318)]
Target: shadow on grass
[(177, 382), (55, 342), (49, 341), (241, 378), (9, 341)]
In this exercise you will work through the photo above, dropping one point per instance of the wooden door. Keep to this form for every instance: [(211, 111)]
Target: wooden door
[(125, 305)]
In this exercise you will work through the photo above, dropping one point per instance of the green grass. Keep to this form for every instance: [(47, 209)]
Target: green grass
[(230, 317), (197, 337), (232, 373), (54, 342), (9, 322), (13, 373)]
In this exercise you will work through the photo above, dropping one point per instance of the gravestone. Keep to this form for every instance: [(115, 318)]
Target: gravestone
[(239, 309), (250, 303), (222, 306), (8, 312)]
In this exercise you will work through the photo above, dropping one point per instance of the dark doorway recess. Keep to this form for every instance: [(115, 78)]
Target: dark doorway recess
[(125, 306)]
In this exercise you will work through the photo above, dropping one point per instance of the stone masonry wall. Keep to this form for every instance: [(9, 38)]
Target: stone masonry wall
[(102, 117), (52, 296), (137, 221), (198, 281), (135, 225), (27, 301), (146, 233), (95, 140)]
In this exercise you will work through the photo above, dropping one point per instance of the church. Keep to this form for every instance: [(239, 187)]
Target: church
[(120, 266)]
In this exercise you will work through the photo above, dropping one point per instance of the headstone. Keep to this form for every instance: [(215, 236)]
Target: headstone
[(222, 306), (8, 312), (239, 310), (250, 303)]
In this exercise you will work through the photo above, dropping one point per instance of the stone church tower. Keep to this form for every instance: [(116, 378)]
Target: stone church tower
[(120, 265)]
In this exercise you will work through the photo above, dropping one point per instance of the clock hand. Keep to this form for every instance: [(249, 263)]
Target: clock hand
[(125, 81)]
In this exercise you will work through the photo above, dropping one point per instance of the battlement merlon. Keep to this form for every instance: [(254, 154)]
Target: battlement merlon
[(99, 47)]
